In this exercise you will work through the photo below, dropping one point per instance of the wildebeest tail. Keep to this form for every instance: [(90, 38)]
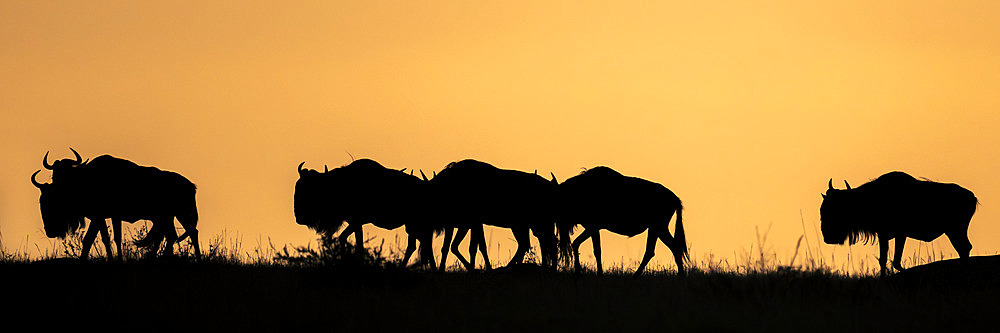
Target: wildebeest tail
[(565, 231), (680, 241), (973, 203)]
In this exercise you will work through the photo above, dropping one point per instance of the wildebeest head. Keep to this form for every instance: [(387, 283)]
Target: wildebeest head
[(313, 201), (59, 215), (838, 216), (63, 164)]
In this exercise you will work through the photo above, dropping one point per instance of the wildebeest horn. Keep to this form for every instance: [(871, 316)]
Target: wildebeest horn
[(434, 174), (411, 172), (78, 158), (45, 161), (553, 177), (325, 168), (403, 170), (300, 166), (848, 185), (423, 175), (830, 183), (35, 182)]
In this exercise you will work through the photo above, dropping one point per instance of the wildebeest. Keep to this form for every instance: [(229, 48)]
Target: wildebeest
[(896, 206), (602, 198), (471, 193), (365, 192), (110, 187)]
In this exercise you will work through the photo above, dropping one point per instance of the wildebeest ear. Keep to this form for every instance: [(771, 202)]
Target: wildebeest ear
[(823, 195)]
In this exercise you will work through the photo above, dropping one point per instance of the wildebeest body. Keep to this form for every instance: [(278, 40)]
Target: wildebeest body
[(472, 193), (364, 192), (601, 198), (110, 187), (898, 206)]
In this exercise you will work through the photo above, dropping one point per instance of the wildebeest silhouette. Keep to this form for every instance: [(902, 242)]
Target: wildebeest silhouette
[(111, 187), (601, 198), (365, 192), (471, 193), (896, 206)]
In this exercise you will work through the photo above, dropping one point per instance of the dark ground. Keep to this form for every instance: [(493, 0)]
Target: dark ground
[(159, 296)]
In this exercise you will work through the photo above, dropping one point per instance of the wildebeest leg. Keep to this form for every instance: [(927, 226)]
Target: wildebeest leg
[(448, 233), (106, 239), (427, 249), (883, 253), (675, 249), (359, 239), (117, 225), (190, 225), (473, 245), (411, 244), (88, 239), (459, 235), (596, 240), (482, 247), (346, 233), (550, 251), (170, 234), (523, 244), (194, 242), (152, 240), (576, 246), (960, 240), (897, 257), (650, 249), (545, 244)]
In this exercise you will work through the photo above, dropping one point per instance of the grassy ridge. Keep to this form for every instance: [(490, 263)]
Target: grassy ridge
[(209, 295), (332, 287)]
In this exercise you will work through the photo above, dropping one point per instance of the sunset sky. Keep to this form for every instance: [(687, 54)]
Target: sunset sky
[(743, 110)]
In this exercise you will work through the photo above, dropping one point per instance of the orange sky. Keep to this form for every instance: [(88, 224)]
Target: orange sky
[(742, 110)]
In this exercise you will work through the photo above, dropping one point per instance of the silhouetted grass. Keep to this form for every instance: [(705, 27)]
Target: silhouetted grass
[(333, 287)]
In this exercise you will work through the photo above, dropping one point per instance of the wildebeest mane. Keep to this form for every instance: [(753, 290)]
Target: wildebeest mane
[(601, 171), (469, 164)]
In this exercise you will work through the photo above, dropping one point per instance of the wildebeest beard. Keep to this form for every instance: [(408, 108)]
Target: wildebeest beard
[(844, 220), (55, 208), (312, 203)]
